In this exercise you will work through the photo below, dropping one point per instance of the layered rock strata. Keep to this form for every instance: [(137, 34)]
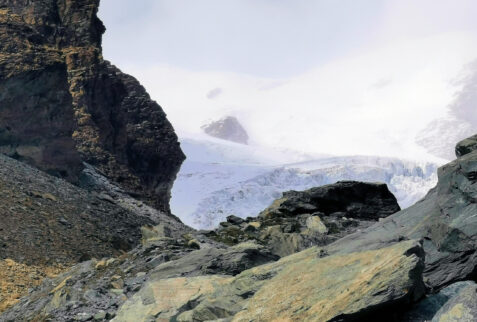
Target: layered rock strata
[(62, 104)]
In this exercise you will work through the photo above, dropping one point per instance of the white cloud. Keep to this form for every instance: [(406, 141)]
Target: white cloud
[(336, 108), (343, 77)]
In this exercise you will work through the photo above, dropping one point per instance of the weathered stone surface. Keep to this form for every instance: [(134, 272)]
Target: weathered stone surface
[(426, 309), (466, 146), (460, 308), (104, 285), (318, 216), (445, 219), (227, 128), (62, 104), (300, 287)]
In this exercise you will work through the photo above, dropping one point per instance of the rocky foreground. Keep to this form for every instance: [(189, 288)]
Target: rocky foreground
[(364, 263), (86, 232)]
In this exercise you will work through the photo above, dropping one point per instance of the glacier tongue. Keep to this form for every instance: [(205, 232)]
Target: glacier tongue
[(213, 185)]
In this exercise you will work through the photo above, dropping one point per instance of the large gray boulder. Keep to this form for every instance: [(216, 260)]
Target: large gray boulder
[(427, 309), (460, 308), (466, 146), (362, 286), (445, 220)]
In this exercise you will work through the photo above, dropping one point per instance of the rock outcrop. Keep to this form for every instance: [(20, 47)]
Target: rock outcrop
[(227, 128), (450, 304), (317, 216), (100, 287), (445, 221), (301, 287), (62, 104), (466, 146)]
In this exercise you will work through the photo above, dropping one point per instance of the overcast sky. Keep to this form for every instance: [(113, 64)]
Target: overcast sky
[(304, 74)]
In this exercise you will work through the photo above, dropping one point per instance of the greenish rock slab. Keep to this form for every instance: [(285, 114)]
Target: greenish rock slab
[(461, 308)]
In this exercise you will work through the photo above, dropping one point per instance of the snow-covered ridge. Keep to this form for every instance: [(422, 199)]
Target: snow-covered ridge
[(212, 186)]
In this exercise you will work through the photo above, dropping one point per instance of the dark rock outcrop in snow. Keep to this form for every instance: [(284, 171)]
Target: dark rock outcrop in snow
[(61, 104), (100, 287), (227, 128)]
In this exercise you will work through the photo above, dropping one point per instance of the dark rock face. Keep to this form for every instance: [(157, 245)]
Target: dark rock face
[(358, 200), (466, 146), (228, 128), (318, 216), (61, 104)]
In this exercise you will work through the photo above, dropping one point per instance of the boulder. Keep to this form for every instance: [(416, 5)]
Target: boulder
[(299, 287), (445, 220), (357, 200), (466, 146)]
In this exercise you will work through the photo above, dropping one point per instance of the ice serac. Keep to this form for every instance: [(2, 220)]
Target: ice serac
[(62, 104)]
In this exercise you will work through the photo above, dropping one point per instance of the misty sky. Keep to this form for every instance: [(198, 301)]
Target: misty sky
[(299, 73)]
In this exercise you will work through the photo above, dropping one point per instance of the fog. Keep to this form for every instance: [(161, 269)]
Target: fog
[(338, 77)]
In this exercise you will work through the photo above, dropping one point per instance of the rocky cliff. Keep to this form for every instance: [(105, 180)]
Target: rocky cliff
[(62, 104)]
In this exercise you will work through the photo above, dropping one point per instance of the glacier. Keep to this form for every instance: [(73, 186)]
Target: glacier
[(221, 178)]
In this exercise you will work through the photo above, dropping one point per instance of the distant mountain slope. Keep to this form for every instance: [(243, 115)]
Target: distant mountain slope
[(440, 135), (207, 191)]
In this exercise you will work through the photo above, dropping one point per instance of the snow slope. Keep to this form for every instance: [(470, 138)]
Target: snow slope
[(221, 178)]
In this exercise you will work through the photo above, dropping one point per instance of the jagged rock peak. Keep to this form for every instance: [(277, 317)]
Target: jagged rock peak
[(62, 104), (227, 128)]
